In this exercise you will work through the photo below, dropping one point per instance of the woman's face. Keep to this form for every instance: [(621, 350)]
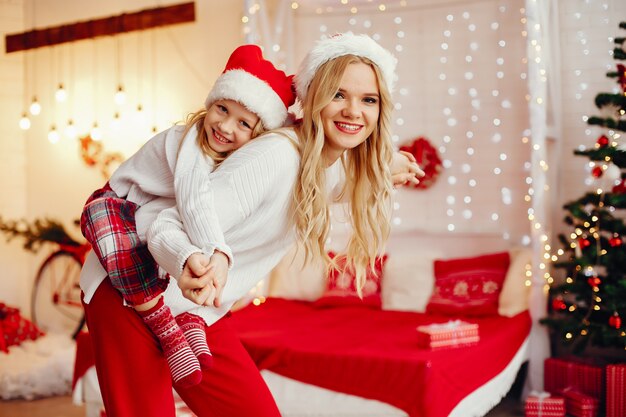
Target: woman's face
[(229, 125), (350, 118)]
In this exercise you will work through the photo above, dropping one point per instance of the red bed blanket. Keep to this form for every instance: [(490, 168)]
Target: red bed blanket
[(374, 354)]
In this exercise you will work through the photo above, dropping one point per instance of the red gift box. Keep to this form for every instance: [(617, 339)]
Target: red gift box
[(578, 404), (543, 405), (585, 375), (451, 334), (616, 390)]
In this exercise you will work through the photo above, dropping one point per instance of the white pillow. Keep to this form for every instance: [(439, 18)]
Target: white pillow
[(293, 280), (408, 281), (514, 295)]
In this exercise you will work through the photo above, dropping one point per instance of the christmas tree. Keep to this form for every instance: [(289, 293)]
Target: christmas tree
[(589, 306)]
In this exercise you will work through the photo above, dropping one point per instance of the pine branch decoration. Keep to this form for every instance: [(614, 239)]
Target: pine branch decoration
[(37, 233)]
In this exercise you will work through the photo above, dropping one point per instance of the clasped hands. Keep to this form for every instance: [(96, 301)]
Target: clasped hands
[(203, 278)]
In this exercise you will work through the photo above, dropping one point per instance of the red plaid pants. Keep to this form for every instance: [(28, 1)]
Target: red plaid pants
[(108, 223)]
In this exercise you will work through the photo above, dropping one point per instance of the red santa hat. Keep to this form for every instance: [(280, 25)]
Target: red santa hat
[(345, 44), (255, 83)]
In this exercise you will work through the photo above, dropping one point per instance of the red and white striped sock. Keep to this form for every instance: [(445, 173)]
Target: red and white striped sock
[(193, 329), (183, 363)]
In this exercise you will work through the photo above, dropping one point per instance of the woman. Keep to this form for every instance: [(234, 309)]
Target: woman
[(344, 86)]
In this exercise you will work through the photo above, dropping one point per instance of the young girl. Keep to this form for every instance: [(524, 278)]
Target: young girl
[(249, 97)]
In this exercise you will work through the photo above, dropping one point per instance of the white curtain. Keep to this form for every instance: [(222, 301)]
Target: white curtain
[(543, 85)]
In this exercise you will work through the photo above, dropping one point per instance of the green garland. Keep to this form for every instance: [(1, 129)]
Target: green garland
[(37, 233)]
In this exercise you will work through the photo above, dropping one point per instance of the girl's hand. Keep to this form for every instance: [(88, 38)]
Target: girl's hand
[(404, 169), (195, 281), (218, 266)]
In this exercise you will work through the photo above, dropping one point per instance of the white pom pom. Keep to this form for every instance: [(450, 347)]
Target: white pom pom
[(613, 172)]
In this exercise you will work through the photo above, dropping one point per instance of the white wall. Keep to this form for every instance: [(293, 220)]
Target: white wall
[(41, 179), (14, 263)]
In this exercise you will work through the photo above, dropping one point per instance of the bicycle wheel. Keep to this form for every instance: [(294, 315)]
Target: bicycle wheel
[(55, 302)]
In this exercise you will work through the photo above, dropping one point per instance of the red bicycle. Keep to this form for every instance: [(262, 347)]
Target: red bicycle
[(55, 301)]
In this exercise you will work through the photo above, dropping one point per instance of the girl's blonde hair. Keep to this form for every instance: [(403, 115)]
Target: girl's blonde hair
[(197, 119), (368, 178)]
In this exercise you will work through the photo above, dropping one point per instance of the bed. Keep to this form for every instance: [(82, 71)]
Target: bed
[(374, 354), (323, 360)]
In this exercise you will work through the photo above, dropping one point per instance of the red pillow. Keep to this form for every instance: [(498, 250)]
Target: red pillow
[(469, 286), (14, 328), (341, 289)]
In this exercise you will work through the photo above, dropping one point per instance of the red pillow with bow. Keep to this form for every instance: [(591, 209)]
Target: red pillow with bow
[(469, 286), (341, 288)]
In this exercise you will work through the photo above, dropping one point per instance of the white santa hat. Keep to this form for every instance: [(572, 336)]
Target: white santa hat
[(255, 83), (340, 45)]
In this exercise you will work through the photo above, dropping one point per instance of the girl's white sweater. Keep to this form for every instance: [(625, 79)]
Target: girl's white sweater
[(249, 197)]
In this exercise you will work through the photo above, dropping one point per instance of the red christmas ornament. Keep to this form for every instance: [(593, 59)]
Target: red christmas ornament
[(584, 243), (558, 304), (597, 171), (619, 188), (615, 321), (427, 158), (616, 240), (594, 281), (603, 141)]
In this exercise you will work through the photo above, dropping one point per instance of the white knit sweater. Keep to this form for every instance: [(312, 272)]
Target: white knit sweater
[(247, 198), (154, 178), (252, 191)]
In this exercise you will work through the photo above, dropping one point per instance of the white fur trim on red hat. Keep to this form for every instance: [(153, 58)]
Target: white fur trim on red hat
[(340, 45), (255, 94)]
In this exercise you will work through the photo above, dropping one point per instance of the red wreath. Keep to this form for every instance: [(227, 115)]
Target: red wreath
[(427, 158)]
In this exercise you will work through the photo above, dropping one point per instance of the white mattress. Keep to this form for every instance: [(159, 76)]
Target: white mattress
[(298, 399)]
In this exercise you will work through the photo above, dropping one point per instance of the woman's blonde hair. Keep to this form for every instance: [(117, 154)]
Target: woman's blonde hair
[(197, 119), (368, 178)]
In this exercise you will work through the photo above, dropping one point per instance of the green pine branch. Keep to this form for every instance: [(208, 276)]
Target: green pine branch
[(605, 99), (609, 123), (37, 233), (619, 54), (618, 156)]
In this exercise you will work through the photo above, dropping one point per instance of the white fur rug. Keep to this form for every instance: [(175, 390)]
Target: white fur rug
[(39, 368)]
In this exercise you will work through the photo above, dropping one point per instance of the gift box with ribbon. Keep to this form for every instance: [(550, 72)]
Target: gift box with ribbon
[(451, 334), (579, 404), (585, 375), (542, 404)]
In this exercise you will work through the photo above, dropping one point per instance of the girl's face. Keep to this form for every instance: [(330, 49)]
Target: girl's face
[(350, 118), (229, 125)]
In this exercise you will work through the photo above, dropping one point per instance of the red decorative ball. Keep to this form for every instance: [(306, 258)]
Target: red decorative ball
[(594, 281), (427, 158), (558, 304), (615, 321), (603, 141), (597, 171), (619, 188), (584, 243), (615, 241)]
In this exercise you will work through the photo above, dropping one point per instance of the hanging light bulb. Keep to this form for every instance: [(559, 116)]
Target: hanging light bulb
[(53, 135), (70, 130), (120, 95), (96, 132), (115, 123), (35, 107), (24, 122), (61, 93)]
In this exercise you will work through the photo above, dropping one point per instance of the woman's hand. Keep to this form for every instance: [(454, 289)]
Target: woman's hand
[(218, 273), (195, 281), (404, 169)]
